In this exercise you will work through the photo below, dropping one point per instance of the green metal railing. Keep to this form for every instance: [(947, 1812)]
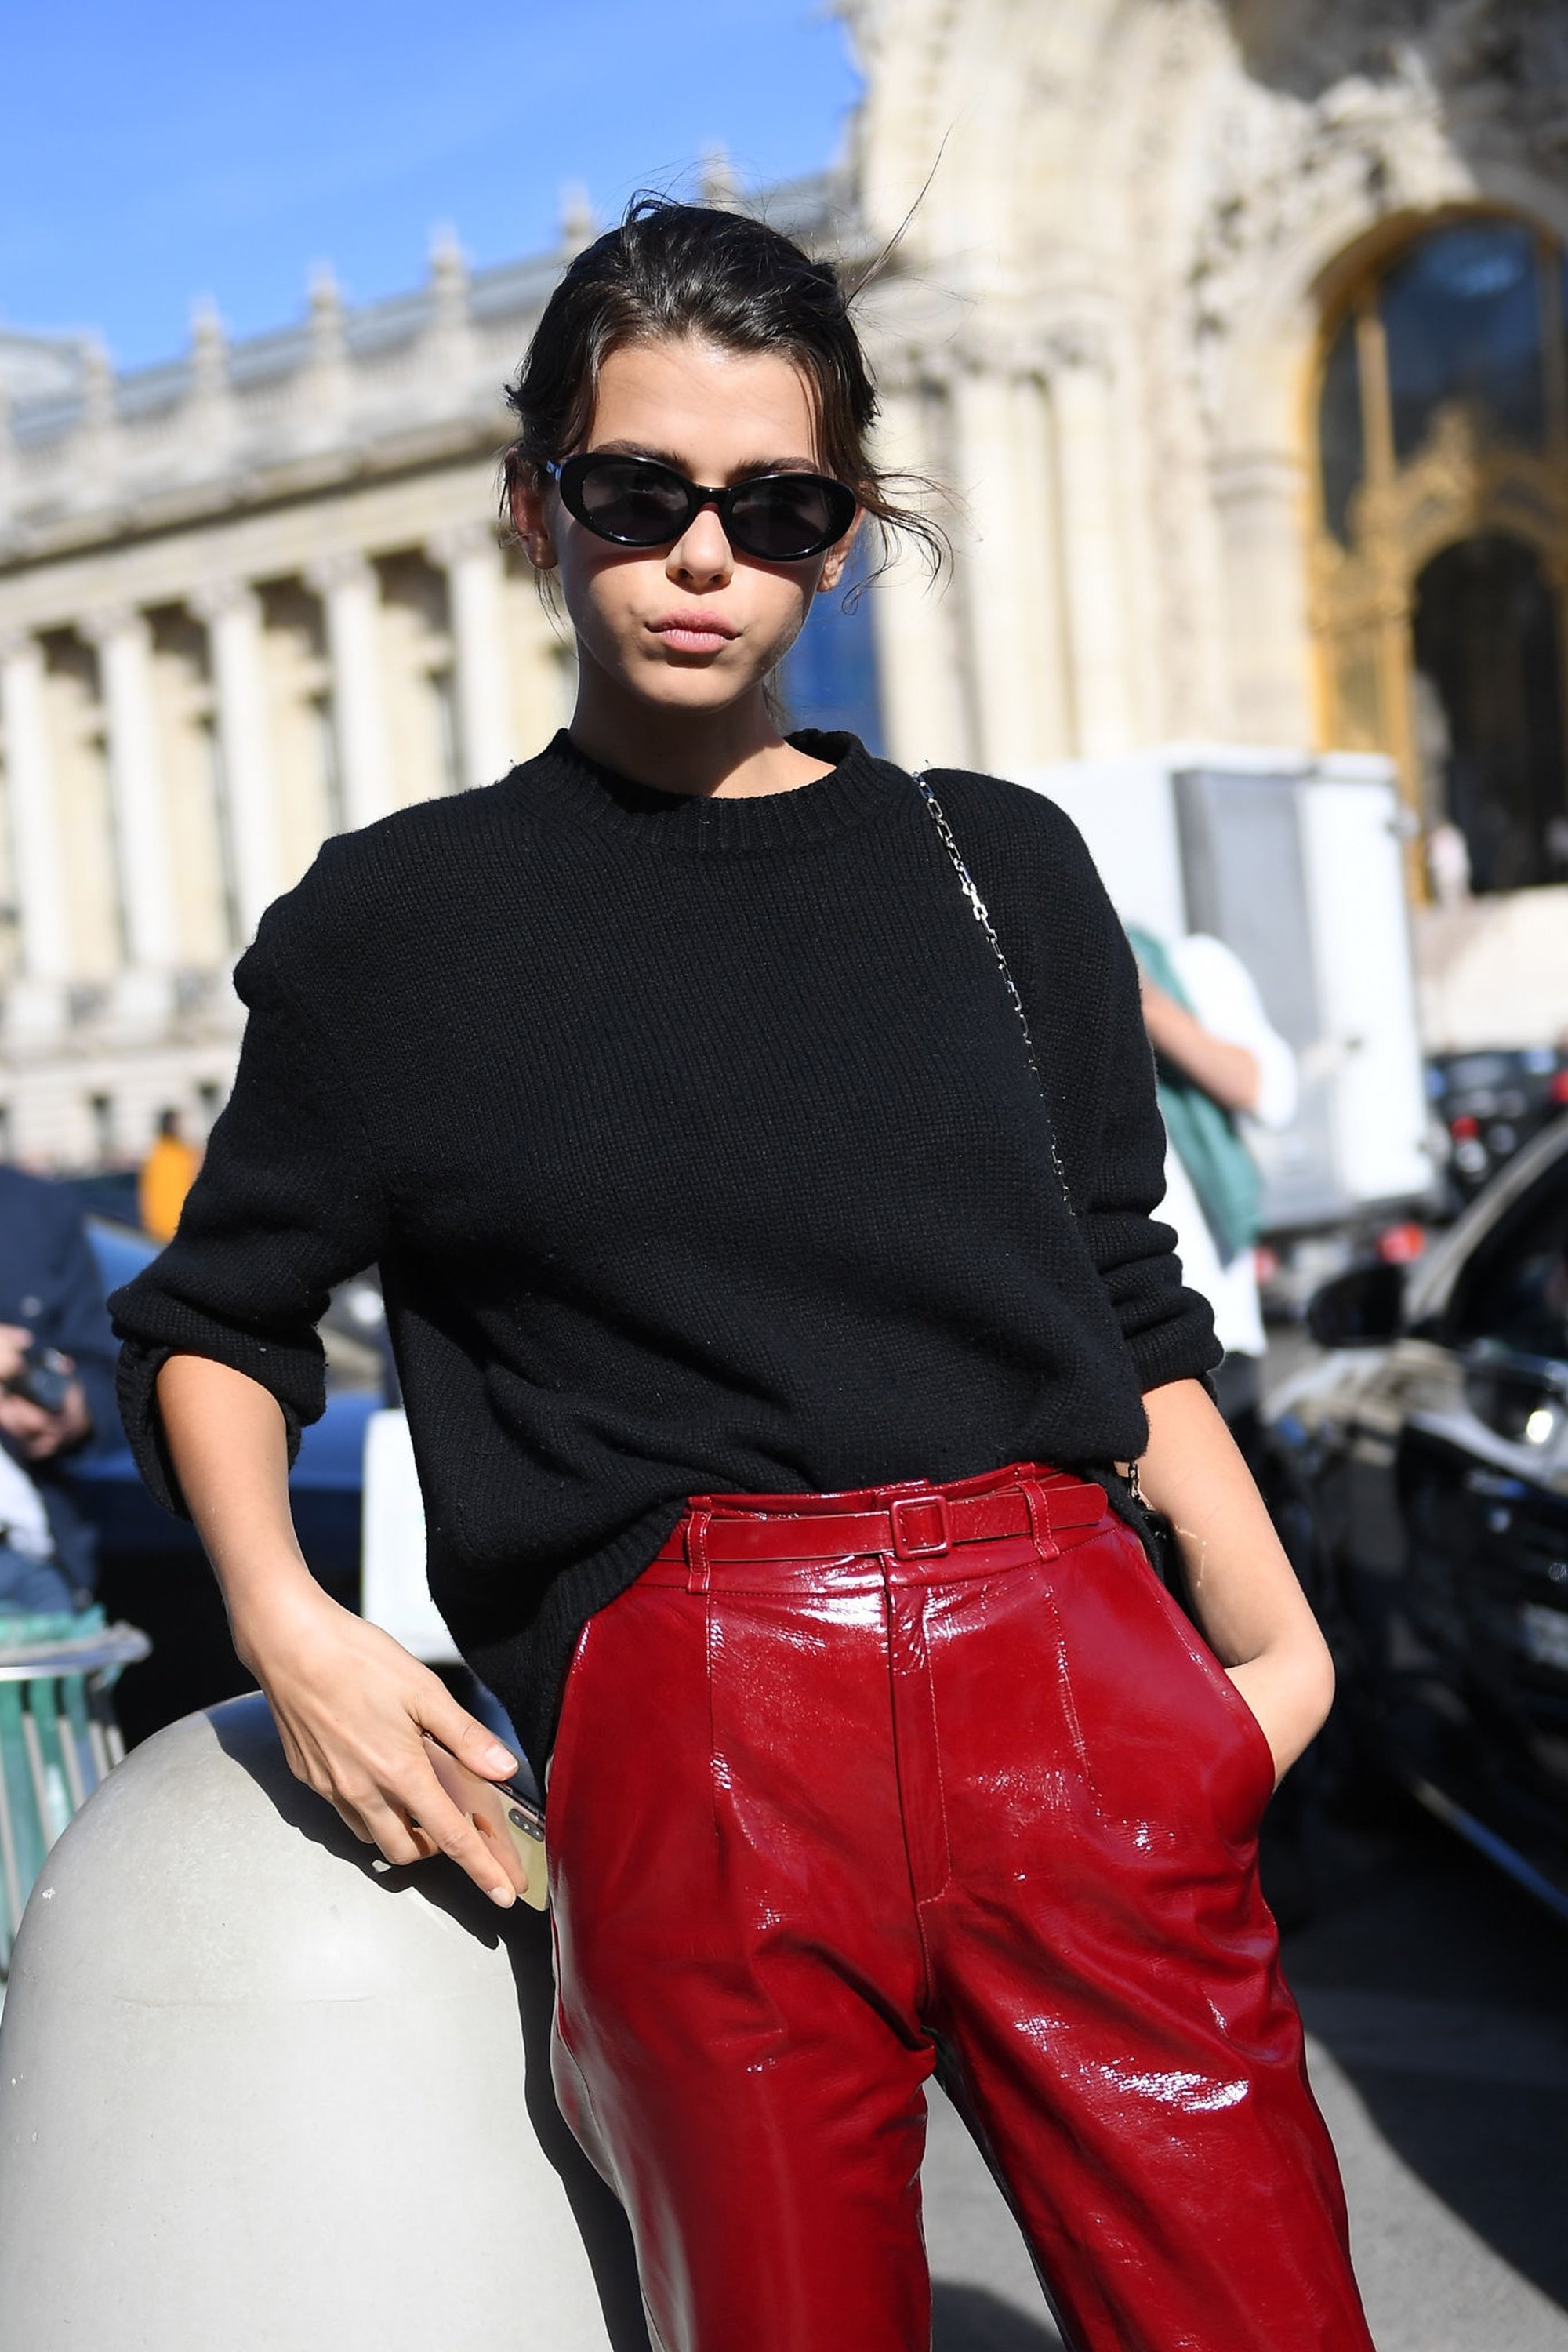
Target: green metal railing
[(58, 1737)]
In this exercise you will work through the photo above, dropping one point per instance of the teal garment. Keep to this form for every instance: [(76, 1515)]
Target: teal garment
[(1202, 1134), (36, 1777)]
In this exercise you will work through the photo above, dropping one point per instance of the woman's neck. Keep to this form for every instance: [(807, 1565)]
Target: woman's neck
[(731, 754)]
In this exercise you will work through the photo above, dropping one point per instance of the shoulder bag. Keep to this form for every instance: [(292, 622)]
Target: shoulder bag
[(1152, 1529)]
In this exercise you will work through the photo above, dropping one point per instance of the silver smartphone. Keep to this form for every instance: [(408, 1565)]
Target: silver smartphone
[(511, 1824)]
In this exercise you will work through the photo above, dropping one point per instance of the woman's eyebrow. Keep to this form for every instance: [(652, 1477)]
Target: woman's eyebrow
[(776, 466), (752, 466)]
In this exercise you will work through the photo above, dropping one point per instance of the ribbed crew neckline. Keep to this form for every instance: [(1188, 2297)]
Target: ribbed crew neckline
[(581, 789)]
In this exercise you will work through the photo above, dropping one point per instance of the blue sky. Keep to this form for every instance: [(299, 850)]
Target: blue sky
[(157, 151)]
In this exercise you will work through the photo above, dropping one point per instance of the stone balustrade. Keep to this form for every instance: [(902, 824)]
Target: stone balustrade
[(160, 441)]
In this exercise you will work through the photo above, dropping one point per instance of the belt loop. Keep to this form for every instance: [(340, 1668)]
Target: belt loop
[(1038, 1504), (697, 1569)]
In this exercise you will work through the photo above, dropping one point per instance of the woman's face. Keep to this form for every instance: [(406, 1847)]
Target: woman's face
[(695, 626)]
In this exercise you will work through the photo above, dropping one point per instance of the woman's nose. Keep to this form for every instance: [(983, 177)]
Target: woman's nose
[(702, 556)]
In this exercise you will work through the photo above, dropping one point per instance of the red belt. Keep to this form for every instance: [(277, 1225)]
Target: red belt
[(913, 1522)]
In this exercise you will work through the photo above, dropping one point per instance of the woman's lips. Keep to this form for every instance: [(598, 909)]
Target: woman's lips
[(694, 633)]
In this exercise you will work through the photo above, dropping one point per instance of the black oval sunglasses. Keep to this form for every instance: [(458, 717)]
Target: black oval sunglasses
[(640, 502)]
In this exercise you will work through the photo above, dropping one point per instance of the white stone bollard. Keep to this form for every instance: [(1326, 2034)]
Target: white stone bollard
[(257, 2096)]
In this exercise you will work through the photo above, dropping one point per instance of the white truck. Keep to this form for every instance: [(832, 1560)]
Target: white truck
[(1296, 862)]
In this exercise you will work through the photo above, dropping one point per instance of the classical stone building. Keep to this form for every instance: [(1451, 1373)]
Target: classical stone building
[(1236, 330), (1240, 329)]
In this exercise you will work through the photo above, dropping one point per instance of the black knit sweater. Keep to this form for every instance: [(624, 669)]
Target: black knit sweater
[(698, 1147)]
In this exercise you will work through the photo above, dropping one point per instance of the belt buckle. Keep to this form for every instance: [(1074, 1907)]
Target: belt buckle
[(905, 1514)]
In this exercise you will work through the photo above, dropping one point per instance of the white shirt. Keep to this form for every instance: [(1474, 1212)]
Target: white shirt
[(1224, 998), (24, 1522)]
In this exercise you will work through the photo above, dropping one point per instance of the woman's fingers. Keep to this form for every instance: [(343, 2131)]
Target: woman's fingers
[(401, 1843), (410, 1817), (428, 1806), (352, 1820), (461, 1734)]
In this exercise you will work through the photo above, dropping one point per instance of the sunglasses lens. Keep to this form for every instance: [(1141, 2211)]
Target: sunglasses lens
[(638, 502), (632, 501), (783, 517)]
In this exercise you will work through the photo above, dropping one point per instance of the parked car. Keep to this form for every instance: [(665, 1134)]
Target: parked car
[(152, 1570), (1419, 1474), (1490, 1103)]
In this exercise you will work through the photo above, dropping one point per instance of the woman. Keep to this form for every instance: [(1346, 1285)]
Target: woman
[(757, 1279)]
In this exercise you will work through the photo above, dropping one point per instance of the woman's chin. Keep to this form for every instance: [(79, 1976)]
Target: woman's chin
[(690, 682)]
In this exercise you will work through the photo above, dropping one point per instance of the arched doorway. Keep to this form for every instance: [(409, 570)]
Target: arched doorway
[(1486, 639), (1440, 553)]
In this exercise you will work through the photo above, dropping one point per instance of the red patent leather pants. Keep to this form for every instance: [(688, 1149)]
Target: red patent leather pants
[(978, 1801)]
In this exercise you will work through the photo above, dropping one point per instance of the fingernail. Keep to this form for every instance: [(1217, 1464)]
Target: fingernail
[(505, 1895), (500, 1760)]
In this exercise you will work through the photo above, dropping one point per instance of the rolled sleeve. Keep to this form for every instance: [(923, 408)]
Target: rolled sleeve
[(287, 1204), (1168, 1329)]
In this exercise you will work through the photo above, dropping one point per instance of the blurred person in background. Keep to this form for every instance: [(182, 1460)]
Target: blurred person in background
[(167, 1174), (1220, 1066), (57, 1392), (777, 1290)]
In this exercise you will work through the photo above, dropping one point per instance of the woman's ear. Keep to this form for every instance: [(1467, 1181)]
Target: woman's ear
[(531, 521), (837, 559)]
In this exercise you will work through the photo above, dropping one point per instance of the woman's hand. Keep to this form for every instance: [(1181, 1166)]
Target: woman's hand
[(14, 1341), (352, 1708), (1253, 1613), (38, 1435), (1289, 1690), (351, 1705)]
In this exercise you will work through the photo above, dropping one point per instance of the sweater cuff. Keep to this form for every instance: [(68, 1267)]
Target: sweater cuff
[(136, 1383), (1184, 1349)]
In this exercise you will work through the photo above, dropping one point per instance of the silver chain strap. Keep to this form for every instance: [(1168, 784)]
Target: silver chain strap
[(981, 913)]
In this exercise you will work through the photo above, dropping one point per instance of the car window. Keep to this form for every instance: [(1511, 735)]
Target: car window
[(1514, 1290)]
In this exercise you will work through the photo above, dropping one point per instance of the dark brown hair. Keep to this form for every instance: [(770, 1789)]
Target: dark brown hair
[(673, 269)]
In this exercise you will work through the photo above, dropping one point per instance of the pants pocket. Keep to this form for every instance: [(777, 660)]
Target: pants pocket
[(1254, 1739), (1171, 1737)]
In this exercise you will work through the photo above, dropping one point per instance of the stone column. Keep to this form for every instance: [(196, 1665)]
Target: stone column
[(473, 564), (233, 616), (1102, 671), (35, 1002), (1260, 497), (349, 589), (915, 621), (143, 992), (1013, 626)]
